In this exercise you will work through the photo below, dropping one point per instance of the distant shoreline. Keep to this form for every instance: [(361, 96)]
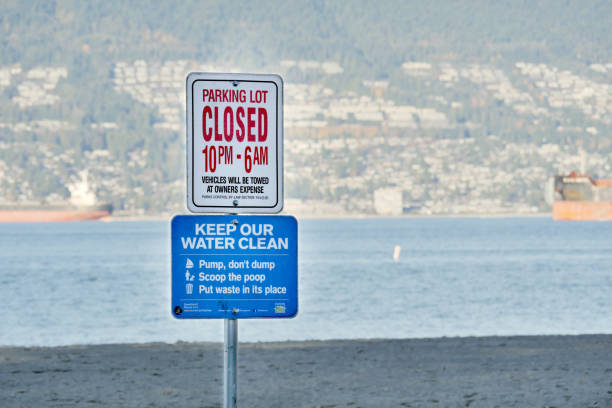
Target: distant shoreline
[(483, 371), (168, 217)]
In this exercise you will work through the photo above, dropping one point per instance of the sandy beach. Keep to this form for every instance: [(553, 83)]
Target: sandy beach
[(536, 371)]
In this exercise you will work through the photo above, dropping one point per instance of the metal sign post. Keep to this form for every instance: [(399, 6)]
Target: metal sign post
[(230, 364), (231, 266)]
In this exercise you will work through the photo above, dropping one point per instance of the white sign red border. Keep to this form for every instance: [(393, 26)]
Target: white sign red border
[(242, 206)]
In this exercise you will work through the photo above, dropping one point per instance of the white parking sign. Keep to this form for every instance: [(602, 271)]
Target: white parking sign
[(234, 143)]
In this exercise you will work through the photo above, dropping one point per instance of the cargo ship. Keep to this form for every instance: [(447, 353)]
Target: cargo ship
[(81, 206), (580, 197)]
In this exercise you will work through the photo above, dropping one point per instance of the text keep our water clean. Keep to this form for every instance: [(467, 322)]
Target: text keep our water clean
[(216, 236)]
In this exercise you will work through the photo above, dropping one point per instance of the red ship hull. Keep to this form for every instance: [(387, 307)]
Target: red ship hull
[(582, 210), (51, 215)]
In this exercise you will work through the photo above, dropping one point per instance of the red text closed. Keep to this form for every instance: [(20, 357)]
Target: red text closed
[(244, 124)]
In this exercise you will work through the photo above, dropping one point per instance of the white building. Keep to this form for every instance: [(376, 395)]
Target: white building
[(388, 201)]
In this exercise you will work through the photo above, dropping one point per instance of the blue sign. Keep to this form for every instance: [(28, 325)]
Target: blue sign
[(233, 266)]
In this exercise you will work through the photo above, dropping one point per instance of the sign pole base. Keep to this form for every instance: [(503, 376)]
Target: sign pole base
[(230, 364)]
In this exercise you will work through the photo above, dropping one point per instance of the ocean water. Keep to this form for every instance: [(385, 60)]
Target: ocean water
[(95, 282)]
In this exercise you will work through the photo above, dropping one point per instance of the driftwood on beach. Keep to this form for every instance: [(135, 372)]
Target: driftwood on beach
[(536, 371)]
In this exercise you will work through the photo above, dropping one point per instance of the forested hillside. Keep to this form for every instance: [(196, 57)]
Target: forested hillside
[(370, 88)]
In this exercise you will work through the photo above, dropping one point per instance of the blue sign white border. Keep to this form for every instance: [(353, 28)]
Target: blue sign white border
[(237, 316)]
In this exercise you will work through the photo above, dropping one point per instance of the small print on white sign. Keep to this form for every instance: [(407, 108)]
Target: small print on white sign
[(234, 143)]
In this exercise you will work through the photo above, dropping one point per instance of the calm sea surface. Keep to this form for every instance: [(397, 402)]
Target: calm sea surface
[(87, 283)]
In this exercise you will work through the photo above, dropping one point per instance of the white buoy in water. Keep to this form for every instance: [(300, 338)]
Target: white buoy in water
[(396, 253)]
